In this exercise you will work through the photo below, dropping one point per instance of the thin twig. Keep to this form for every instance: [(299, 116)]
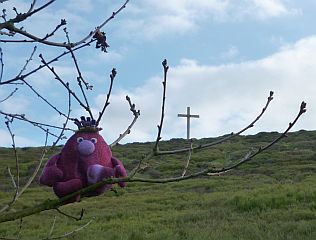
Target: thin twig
[(1, 64), (12, 179), (140, 162), (80, 78), (72, 232), (136, 114), (32, 6), (16, 157), (77, 65), (40, 40), (70, 216), (23, 16), (43, 98), (14, 41), (10, 95), (66, 85), (188, 160), (27, 62), (101, 25), (164, 83), (52, 228), (62, 23), (107, 102), (251, 155), (66, 122), (41, 126)]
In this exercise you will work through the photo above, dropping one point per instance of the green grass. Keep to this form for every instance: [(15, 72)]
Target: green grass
[(271, 197)]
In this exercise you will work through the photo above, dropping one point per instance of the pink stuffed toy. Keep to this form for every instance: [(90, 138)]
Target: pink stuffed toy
[(85, 159)]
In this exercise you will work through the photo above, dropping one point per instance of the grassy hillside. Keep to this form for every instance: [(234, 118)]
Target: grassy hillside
[(271, 197)]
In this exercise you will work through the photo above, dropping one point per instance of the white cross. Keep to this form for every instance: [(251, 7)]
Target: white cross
[(188, 116)]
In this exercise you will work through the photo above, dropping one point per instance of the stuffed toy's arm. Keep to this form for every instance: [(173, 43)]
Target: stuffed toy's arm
[(119, 170), (51, 173)]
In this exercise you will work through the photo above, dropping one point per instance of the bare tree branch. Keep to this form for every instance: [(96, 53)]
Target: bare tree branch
[(107, 102), (32, 6), (17, 165), (101, 25), (66, 85), (48, 35), (72, 232), (27, 62), (10, 95), (164, 83), (52, 228), (1, 65), (251, 155), (136, 114), (188, 160), (80, 78), (9, 25), (39, 125), (12, 180), (70, 216), (20, 17), (61, 135), (43, 98), (10, 81)]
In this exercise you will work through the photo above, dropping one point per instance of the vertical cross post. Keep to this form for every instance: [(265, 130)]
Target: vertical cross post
[(188, 116)]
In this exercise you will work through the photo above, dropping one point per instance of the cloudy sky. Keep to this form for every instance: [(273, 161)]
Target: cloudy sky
[(224, 56)]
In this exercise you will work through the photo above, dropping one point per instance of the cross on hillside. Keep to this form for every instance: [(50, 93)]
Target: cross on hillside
[(188, 116)]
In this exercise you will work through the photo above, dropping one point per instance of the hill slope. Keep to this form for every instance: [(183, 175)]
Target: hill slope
[(271, 197)]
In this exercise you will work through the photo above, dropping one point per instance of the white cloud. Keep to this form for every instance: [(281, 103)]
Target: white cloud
[(271, 8), (151, 19), (227, 97)]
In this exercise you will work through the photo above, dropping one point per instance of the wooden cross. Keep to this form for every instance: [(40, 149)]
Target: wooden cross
[(188, 116)]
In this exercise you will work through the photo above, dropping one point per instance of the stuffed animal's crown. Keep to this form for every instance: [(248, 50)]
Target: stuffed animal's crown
[(87, 124)]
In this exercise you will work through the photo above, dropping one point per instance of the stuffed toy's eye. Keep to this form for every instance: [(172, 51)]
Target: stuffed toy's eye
[(94, 140), (79, 139)]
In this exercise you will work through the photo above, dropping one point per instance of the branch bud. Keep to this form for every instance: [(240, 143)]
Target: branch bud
[(271, 95), (165, 64), (113, 74), (303, 107)]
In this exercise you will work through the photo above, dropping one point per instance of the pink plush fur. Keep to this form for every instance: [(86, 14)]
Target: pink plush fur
[(85, 159)]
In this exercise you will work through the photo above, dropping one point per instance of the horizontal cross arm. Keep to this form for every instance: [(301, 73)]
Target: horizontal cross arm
[(186, 115)]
